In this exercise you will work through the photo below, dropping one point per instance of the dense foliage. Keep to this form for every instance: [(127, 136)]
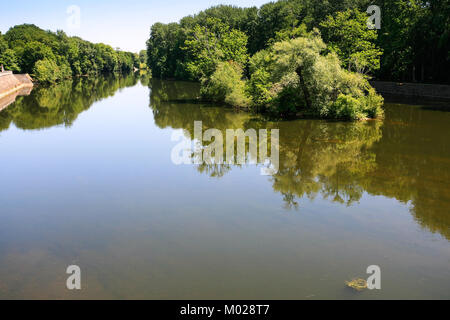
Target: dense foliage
[(346, 33), (50, 56), (412, 45), (297, 76), (209, 44), (226, 85), (292, 73)]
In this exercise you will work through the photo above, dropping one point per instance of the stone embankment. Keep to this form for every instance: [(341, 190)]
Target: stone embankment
[(413, 90), (12, 85), (9, 82)]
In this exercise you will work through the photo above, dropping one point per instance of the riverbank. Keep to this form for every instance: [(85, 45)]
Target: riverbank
[(413, 90)]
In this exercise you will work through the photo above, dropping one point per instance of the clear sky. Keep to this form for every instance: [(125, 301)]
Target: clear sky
[(119, 23)]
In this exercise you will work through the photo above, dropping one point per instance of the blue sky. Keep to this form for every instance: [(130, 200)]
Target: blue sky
[(123, 24)]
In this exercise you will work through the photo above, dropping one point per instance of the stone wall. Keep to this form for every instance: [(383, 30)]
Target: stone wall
[(429, 91), (10, 83)]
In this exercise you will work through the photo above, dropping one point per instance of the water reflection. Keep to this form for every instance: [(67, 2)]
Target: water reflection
[(11, 98), (112, 201), (406, 157), (61, 104)]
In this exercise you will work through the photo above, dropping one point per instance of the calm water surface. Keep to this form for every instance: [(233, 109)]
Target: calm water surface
[(86, 178)]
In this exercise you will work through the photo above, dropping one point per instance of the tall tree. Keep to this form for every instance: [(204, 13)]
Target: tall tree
[(347, 34), (211, 43)]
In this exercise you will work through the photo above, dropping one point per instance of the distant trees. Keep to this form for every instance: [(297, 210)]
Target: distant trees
[(50, 56), (143, 60)]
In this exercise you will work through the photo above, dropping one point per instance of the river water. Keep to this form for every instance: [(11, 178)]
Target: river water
[(87, 179)]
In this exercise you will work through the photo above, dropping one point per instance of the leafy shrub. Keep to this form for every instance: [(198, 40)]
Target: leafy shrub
[(9, 60), (296, 76), (226, 85), (372, 104), (346, 107), (46, 71), (49, 71), (211, 44), (260, 83)]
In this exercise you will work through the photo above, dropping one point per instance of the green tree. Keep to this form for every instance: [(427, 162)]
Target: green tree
[(165, 56), (226, 85), (8, 57), (346, 33), (259, 86), (415, 40), (46, 70), (212, 43), (33, 52), (143, 56), (9, 60)]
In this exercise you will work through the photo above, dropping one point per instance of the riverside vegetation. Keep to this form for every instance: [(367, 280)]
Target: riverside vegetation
[(301, 57), (287, 58)]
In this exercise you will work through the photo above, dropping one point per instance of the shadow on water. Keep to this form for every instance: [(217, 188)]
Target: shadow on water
[(437, 108), (405, 157)]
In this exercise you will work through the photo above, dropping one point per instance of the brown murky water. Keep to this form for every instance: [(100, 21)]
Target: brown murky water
[(87, 178)]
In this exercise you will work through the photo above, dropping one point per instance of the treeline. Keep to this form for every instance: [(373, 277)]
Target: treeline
[(274, 60), (50, 56), (413, 43)]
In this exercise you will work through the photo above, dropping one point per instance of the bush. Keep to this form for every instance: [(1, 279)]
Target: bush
[(9, 60), (295, 76), (346, 107), (46, 71), (226, 85), (49, 71), (260, 83), (372, 104)]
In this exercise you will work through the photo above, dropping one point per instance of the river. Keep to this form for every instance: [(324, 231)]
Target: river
[(87, 179)]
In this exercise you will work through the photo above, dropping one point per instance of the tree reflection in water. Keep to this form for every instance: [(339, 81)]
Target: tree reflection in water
[(406, 156), (60, 104), (336, 160)]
